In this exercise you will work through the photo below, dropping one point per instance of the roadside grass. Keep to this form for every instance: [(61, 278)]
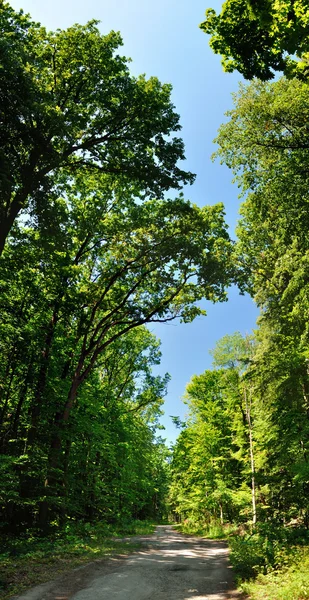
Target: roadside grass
[(30, 560), (272, 563), (290, 583), (135, 528), (213, 531)]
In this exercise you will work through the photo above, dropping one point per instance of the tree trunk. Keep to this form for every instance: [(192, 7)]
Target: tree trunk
[(13, 429), (221, 514), (8, 218), (248, 411), (42, 377), (52, 481), (7, 396)]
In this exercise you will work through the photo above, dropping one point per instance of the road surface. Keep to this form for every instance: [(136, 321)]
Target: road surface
[(170, 566)]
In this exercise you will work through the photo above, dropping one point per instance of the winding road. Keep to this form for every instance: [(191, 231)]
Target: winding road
[(170, 566)]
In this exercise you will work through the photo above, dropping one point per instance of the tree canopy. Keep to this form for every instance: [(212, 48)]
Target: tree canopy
[(260, 38), (72, 106), (95, 249)]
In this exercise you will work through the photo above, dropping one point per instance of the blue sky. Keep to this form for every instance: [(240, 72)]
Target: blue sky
[(163, 39)]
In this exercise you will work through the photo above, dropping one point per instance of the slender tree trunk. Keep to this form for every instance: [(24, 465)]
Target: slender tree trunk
[(64, 506), (42, 377), (7, 395), (8, 217), (13, 427), (90, 509), (22, 397), (60, 422), (221, 514), (248, 412)]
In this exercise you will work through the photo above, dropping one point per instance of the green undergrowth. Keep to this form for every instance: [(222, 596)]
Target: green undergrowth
[(214, 530), (31, 559), (272, 563), (290, 583)]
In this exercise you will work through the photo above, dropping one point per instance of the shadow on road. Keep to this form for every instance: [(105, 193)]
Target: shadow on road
[(170, 566)]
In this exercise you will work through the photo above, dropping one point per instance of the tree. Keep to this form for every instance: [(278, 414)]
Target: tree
[(96, 265), (110, 448), (265, 143), (260, 38), (282, 430), (235, 353), (98, 253), (210, 459), (69, 105), (109, 465)]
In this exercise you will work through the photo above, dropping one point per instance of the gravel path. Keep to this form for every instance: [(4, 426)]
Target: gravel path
[(170, 566)]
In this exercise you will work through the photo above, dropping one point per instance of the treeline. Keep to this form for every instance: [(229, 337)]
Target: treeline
[(92, 252), (242, 456), (244, 453), (240, 465)]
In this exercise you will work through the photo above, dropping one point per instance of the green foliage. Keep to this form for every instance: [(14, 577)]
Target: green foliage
[(73, 107), (275, 560), (97, 252), (260, 38), (252, 411), (291, 583), (264, 143), (213, 530), (88, 359), (211, 465), (258, 552)]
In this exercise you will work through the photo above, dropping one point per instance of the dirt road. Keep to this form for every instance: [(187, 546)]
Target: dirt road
[(170, 566)]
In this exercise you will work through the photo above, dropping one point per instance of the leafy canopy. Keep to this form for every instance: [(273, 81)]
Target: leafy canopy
[(258, 38), (69, 104)]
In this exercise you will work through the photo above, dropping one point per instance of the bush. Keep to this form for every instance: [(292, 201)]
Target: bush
[(213, 530), (289, 583), (268, 548)]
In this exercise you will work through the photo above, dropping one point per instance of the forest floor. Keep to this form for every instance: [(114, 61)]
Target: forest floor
[(169, 565)]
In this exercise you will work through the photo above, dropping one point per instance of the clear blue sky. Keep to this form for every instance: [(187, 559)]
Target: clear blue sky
[(163, 39)]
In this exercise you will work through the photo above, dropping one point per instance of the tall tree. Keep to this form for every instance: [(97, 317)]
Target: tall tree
[(213, 479), (69, 104), (265, 143), (235, 353), (97, 264)]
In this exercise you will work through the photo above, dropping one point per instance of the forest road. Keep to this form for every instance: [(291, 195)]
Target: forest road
[(170, 566)]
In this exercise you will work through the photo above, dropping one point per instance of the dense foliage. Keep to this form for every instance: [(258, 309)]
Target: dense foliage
[(69, 106), (258, 38), (242, 455), (93, 252)]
